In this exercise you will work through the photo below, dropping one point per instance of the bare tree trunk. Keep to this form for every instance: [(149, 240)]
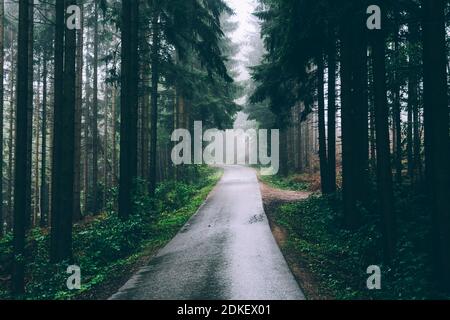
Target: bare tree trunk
[(413, 129), (397, 111), (44, 183), (114, 131), (2, 34), (36, 208), (436, 117), (129, 105), (105, 156), (384, 172), (21, 159), (64, 138), (95, 140), (87, 144), (355, 143), (145, 132), (321, 115), (332, 110), (154, 103), (29, 155), (349, 199), (78, 110), (11, 144)]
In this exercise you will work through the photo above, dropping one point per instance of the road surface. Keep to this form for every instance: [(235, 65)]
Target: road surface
[(225, 252)]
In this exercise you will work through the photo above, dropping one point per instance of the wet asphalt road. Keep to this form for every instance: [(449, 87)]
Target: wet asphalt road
[(225, 252)]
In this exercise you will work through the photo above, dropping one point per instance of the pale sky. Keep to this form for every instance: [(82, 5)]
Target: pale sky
[(243, 14), (243, 10)]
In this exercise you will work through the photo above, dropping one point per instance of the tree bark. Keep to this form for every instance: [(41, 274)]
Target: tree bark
[(322, 138), (44, 184), (413, 105), (397, 109), (78, 111), (64, 137), (114, 132), (384, 172), (20, 176), (36, 202), (348, 158), (105, 157), (436, 117), (2, 34), (94, 129), (145, 132), (154, 103), (11, 145), (332, 110), (29, 155), (129, 105)]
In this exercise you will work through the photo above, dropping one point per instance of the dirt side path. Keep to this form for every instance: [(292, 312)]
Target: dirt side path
[(272, 199), (270, 194)]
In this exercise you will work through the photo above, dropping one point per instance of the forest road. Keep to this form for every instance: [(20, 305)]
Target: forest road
[(225, 252)]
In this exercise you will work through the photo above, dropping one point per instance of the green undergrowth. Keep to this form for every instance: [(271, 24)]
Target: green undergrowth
[(105, 247), (338, 258), (291, 182)]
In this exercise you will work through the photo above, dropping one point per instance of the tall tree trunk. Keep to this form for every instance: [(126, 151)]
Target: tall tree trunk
[(436, 117), (129, 105), (64, 137), (284, 169), (94, 129), (154, 103), (105, 156), (29, 155), (360, 109), (2, 34), (409, 136), (114, 132), (322, 138), (11, 136), (348, 159), (384, 172), (397, 109), (44, 183), (413, 104), (355, 142), (37, 147), (418, 168), (372, 136), (20, 179), (51, 126), (145, 132), (87, 143), (332, 110), (78, 110)]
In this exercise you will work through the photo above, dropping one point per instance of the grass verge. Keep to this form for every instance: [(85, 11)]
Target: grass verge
[(338, 259)]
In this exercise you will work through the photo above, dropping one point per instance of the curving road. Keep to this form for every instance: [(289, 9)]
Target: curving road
[(225, 252)]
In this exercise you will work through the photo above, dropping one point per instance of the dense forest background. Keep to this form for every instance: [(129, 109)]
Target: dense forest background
[(369, 110), (87, 115)]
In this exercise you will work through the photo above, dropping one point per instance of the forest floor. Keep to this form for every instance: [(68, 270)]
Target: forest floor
[(275, 193), (329, 261)]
